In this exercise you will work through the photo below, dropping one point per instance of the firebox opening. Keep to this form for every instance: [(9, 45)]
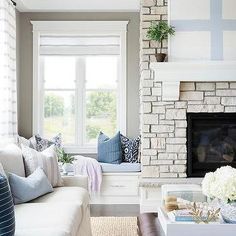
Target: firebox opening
[(211, 142)]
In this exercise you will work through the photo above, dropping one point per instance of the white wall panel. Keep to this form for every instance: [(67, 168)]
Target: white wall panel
[(190, 9), (190, 46), (229, 9), (229, 45)]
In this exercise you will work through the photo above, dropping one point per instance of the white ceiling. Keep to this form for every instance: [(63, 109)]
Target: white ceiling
[(77, 5)]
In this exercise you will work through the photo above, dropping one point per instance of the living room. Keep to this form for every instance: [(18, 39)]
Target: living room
[(117, 117)]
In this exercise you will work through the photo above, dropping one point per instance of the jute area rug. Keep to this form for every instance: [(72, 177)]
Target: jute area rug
[(114, 226)]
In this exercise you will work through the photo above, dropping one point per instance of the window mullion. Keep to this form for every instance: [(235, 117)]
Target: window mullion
[(76, 102), (80, 78), (119, 105)]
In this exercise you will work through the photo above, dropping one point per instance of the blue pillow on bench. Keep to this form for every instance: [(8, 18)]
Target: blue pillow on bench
[(7, 215), (109, 149)]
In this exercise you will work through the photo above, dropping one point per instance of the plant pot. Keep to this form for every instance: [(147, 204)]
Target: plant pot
[(228, 212), (67, 167), (160, 57)]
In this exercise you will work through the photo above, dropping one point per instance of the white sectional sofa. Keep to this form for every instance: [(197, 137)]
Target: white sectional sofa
[(64, 212)]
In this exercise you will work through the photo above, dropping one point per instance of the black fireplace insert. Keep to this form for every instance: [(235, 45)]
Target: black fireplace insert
[(211, 142)]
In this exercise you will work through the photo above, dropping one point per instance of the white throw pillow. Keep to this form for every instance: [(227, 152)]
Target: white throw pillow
[(46, 159), (31, 142), (12, 160)]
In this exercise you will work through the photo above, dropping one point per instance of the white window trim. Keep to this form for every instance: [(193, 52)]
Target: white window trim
[(116, 28)]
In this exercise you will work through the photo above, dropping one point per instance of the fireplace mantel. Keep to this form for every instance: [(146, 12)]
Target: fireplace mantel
[(172, 73)]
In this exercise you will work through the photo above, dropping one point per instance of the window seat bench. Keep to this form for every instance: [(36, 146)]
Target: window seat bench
[(120, 184)]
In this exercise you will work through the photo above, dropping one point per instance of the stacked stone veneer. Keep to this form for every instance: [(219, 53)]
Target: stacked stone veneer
[(163, 124)]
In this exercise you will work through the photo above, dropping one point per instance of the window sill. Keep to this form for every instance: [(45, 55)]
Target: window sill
[(80, 150)]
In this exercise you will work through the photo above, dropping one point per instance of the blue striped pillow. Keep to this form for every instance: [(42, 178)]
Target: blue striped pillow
[(109, 149), (7, 215)]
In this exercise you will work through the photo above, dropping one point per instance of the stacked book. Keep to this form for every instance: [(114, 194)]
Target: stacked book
[(180, 215)]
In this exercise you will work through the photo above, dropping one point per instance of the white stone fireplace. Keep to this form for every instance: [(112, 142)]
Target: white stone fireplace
[(187, 87), (181, 88)]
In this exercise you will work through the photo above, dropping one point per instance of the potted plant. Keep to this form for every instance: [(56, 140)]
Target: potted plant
[(221, 185), (66, 160), (160, 32)]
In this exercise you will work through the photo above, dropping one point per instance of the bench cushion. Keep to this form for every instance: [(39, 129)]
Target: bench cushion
[(123, 167)]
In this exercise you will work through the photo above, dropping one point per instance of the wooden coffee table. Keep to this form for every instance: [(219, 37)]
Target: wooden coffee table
[(149, 225)]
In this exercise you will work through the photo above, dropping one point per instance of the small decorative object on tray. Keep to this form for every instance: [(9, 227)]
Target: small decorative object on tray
[(171, 203), (174, 203), (204, 215)]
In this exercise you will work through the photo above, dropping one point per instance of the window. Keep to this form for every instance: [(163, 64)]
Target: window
[(79, 82)]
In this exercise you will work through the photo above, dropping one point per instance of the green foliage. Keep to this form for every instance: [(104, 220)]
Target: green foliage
[(53, 105), (160, 31), (100, 104), (92, 131), (64, 157)]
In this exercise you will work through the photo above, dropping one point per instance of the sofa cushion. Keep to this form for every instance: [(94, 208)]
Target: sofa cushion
[(65, 194), (12, 160), (31, 142), (122, 167), (26, 189), (54, 219), (46, 159), (109, 149)]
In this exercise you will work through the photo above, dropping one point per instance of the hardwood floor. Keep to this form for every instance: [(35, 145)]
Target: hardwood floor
[(114, 210)]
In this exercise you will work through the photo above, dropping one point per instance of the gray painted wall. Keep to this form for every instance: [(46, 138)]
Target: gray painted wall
[(26, 64)]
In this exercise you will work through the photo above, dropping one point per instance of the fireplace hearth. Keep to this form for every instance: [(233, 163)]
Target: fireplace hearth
[(211, 142)]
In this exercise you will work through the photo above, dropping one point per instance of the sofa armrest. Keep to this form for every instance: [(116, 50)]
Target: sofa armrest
[(76, 181)]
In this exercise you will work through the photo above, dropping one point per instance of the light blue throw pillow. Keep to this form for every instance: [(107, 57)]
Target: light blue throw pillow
[(27, 189), (109, 149)]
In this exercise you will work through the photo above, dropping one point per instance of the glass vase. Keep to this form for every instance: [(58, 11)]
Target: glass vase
[(228, 212)]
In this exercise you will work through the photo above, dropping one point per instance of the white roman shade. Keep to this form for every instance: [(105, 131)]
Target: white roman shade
[(79, 45)]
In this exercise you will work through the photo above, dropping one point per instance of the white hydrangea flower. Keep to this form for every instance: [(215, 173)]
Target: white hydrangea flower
[(220, 184), (206, 184)]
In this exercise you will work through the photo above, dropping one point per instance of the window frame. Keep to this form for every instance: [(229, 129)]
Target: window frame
[(106, 28)]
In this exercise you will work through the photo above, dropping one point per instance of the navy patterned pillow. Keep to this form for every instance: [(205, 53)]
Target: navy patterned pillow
[(42, 143), (130, 149), (7, 215)]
